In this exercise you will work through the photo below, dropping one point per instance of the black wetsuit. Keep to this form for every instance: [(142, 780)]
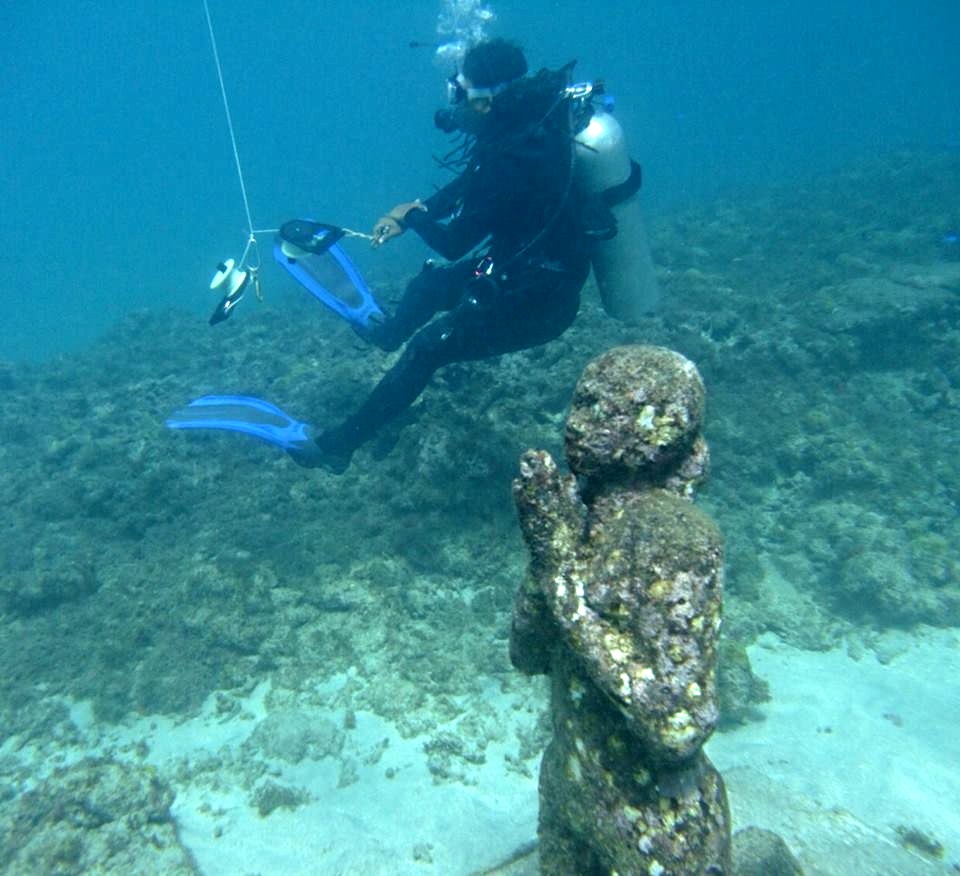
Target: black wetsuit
[(518, 198)]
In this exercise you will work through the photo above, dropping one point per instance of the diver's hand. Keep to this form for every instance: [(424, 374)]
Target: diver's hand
[(391, 225), (386, 228)]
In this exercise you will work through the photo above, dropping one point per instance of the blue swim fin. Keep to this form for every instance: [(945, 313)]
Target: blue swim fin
[(241, 413), (309, 252)]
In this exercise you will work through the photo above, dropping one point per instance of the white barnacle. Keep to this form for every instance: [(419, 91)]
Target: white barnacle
[(645, 418), (681, 727)]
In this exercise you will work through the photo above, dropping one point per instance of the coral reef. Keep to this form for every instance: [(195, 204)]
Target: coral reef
[(95, 816), (827, 460), (622, 609)]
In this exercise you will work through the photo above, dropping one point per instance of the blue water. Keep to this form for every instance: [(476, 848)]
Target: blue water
[(117, 183)]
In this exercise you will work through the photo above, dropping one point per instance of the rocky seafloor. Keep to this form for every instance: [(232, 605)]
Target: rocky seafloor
[(145, 570)]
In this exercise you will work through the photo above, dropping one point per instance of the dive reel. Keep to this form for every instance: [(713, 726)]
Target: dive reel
[(232, 280)]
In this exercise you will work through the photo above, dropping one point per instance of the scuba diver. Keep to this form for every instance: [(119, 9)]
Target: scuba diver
[(544, 182), (516, 194)]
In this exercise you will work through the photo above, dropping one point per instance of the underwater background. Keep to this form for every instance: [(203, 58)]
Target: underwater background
[(209, 652), (117, 178)]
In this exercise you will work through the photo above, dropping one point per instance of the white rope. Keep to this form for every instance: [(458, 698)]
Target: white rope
[(233, 139), (349, 232)]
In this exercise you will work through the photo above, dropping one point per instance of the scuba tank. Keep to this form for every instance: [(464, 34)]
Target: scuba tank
[(622, 264)]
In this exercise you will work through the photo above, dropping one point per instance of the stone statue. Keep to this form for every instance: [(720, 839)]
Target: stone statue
[(621, 608)]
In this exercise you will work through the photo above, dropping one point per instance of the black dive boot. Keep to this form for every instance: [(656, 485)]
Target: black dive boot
[(328, 451)]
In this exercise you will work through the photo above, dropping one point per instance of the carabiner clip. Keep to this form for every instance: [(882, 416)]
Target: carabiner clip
[(484, 267)]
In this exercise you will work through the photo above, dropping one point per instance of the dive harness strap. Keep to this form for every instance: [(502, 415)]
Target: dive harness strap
[(630, 186), (597, 218)]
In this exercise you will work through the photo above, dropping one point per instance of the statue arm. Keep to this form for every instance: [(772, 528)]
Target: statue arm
[(552, 519)]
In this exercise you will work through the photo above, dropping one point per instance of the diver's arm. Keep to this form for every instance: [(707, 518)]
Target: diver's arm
[(391, 224), (451, 240), (484, 197), (479, 200), (440, 205), (457, 237), (444, 201)]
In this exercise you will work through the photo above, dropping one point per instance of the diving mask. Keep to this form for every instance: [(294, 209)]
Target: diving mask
[(458, 90), (467, 105)]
